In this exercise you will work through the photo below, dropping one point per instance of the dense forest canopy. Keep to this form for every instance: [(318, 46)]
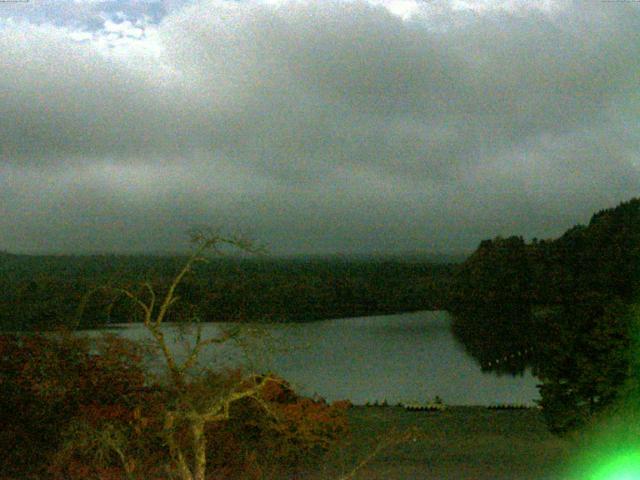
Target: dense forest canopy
[(602, 257)]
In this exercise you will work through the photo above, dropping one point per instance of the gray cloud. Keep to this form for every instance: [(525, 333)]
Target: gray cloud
[(321, 126), (89, 14)]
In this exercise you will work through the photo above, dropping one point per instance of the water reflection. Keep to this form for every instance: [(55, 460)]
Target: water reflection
[(397, 358), (498, 340)]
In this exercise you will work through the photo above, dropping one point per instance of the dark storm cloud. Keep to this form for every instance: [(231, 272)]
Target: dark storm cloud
[(322, 126)]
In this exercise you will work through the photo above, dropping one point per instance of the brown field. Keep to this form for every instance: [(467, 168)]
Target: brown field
[(460, 443)]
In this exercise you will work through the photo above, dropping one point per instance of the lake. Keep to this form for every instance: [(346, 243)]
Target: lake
[(397, 358)]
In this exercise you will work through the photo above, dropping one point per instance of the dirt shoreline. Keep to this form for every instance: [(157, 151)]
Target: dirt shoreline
[(460, 443)]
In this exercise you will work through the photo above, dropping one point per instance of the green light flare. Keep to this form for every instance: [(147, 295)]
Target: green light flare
[(609, 448), (622, 466)]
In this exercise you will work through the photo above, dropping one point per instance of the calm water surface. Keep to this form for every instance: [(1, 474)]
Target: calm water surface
[(398, 358)]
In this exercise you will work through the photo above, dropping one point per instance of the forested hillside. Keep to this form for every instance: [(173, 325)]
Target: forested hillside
[(567, 300), (601, 258)]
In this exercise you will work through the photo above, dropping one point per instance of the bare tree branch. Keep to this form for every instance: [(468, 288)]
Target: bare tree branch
[(135, 298), (152, 293), (186, 411), (200, 344)]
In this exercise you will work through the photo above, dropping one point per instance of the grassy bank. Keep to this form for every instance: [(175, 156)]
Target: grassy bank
[(460, 443)]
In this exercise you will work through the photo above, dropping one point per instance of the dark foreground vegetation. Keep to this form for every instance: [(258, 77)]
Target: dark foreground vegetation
[(41, 292), (565, 307), (74, 409), (70, 410)]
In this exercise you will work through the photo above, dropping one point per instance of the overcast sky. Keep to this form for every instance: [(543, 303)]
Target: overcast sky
[(314, 126)]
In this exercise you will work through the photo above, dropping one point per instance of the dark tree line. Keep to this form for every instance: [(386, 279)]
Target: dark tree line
[(45, 291), (566, 302)]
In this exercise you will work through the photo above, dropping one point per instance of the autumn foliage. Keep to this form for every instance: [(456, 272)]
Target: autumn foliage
[(72, 409)]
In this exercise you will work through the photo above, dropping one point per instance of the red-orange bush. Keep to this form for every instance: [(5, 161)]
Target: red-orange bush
[(48, 380), (291, 435), (70, 411), (253, 444)]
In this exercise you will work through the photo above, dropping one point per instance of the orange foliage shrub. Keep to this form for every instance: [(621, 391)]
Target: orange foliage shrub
[(70, 412), (46, 381), (292, 435), (112, 424)]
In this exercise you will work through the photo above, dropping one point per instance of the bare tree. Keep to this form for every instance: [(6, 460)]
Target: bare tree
[(195, 413)]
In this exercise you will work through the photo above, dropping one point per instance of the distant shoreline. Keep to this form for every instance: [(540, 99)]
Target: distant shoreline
[(116, 326)]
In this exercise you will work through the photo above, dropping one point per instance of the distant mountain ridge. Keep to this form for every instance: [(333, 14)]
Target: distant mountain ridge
[(409, 256)]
